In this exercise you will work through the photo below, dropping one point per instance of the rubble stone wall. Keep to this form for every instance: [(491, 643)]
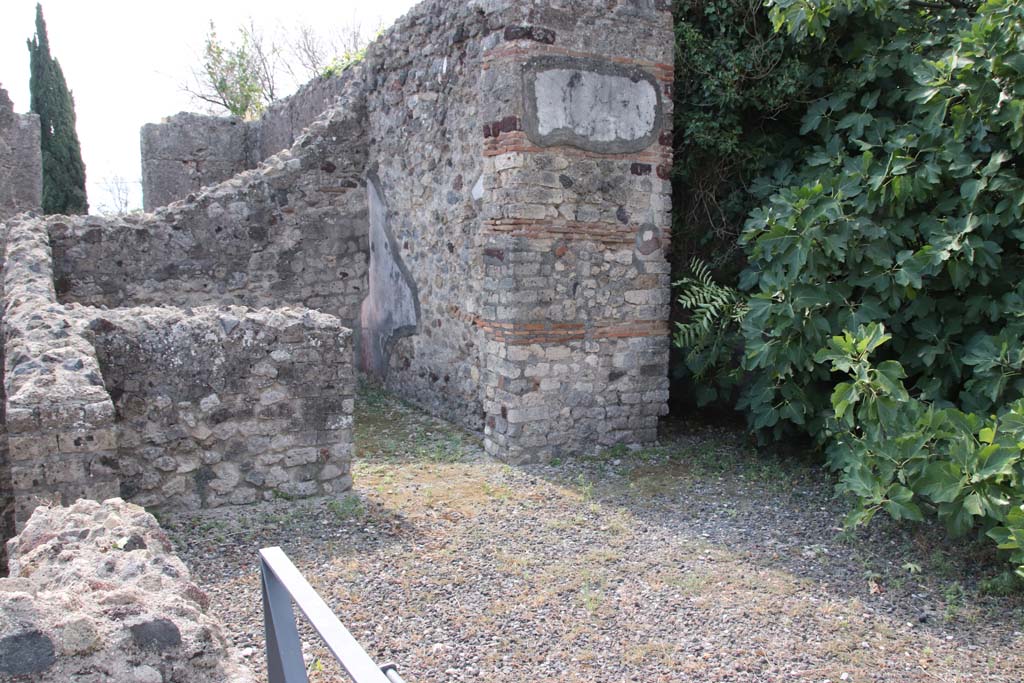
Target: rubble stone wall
[(517, 212), (293, 232), (96, 594), (522, 154), (425, 152), (60, 421), (21, 161), (285, 119), (175, 408), (227, 405), (187, 151)]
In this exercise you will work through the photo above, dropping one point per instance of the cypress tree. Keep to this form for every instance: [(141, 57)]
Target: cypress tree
[(63, 170)]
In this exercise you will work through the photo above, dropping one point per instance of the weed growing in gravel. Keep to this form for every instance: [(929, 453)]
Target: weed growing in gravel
[(954, 597), (347, 507), (498, 492), (586, 487), (940, 564), (590, 598)]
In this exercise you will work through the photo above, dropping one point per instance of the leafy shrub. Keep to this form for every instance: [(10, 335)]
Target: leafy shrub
[(908, 457), (906, 208), (900, 203), (739, 94), (740, 91)]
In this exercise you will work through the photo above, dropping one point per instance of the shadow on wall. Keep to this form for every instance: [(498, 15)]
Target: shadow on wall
[(391, 309)]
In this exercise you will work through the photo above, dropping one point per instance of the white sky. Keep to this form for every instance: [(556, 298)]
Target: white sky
[(126, 61)]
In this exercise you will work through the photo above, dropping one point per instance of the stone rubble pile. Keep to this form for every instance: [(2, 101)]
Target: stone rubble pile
[(95, 594)]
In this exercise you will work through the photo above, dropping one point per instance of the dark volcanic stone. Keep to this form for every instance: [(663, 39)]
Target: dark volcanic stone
[(156, 634), (26, 653)]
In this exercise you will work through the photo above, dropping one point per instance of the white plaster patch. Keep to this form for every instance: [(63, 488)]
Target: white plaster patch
[(599, 107)]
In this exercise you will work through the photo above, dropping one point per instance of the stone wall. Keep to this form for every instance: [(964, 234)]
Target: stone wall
[(96, 594), (518, 217), (425, 152), (284, 120), (186, 152), (21, 161), (293, 232), (60, 420), (487, 200), (227, 405), (210, 405), (522, 152), (575, 289)]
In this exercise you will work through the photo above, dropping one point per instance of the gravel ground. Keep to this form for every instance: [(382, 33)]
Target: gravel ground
[(696, 561)]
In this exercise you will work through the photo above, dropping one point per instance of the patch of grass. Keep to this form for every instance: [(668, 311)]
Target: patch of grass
[(386, 429), (1002, 585), (940, 564), (499, 492)]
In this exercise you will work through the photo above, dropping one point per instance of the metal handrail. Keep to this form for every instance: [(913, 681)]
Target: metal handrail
[(283, 583)]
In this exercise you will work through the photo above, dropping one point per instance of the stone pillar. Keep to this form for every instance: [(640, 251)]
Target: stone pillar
[(577, 128)]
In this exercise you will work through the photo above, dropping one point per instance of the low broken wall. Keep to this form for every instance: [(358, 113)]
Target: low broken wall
[(213, 405), (290, 233), (96, 594), (227, 405), (187, 151)]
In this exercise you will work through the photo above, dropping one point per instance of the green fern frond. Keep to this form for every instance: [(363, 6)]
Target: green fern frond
[(713, 308)]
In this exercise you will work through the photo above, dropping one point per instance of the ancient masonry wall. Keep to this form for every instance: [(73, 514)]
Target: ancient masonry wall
[(487, 202), (293, 231), (21, 189), (517, 195), (96, 594), (417, 325), (186, 152), (60, 420), (21, 161), (176, 408), (519, 215), (227, 406), (575, 289)]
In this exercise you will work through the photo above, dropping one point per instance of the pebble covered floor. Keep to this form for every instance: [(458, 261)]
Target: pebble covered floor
[(696, 561)]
